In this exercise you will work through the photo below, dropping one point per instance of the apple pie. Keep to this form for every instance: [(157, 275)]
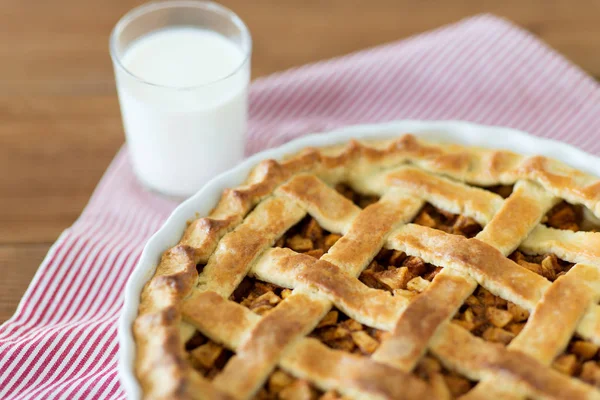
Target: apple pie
[(396, 269)]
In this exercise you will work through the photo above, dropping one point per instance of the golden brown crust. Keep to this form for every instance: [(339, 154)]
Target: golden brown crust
[(488, 266), (568, 298), (228, 265), (565, 298), (294, 318), (422, 318), (473, 202), (332, 211), (372, 307), (479, 359), (583, 247), (235, 238), (361, 376), (519, 214), (230, 322), (361, 242), (450, 288)]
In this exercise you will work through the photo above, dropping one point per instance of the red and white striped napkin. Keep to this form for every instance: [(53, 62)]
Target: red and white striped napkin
[(62, 341)]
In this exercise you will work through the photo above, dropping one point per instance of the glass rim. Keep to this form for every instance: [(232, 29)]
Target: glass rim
[(209, 6)]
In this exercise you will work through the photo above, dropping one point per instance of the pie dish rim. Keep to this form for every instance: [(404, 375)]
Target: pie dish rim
[(200, 204)]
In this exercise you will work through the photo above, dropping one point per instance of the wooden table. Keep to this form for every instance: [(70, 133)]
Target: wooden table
[(59, 116)]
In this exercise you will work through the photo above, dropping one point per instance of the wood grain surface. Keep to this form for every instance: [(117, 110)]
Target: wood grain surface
[(59, 117)]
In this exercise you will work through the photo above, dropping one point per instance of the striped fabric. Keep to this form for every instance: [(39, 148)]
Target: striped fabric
[(62, 342)]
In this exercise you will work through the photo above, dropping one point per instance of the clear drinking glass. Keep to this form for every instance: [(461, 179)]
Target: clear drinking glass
[(182, 134)]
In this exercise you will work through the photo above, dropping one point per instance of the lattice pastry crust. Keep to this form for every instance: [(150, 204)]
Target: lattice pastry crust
[(193, 285)]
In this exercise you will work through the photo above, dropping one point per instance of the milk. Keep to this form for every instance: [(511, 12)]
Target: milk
[(183, 97)]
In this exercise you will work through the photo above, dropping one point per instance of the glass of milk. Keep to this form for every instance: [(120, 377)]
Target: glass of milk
[(182, 70)]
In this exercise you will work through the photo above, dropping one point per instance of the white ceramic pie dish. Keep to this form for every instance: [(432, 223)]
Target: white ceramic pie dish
[(203, 201)]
